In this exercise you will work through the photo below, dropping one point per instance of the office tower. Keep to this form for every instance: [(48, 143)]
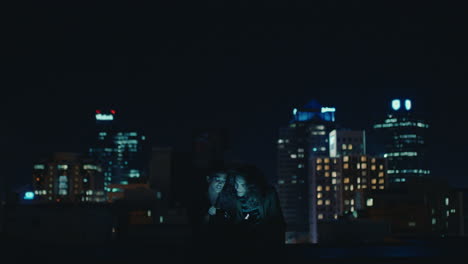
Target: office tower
[(404, 137), (119, 151), (347, 142), (68, 177), (305, 137), (171, 178)]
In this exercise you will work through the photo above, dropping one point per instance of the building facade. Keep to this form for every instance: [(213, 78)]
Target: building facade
[(403, 135), (120, 152), (305, 137), (68, 177)]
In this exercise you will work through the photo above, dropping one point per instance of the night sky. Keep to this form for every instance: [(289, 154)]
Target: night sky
[(169, 70)]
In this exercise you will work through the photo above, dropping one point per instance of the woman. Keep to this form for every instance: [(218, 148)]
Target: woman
[(258, 215)]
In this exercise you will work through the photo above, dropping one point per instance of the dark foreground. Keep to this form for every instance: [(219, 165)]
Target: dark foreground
[(409, 251)]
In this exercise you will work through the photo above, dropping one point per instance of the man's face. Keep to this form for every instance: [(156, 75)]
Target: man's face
[(240, 185), (217, 183)]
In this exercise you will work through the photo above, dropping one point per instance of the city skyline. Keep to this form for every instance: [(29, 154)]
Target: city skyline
[(166, 77)]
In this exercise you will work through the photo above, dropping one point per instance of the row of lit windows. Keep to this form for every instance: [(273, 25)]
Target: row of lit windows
[(321, 202), (402, 124), (320, 188)]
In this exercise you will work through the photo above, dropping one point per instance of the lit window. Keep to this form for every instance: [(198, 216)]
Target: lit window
[(411, 224), (381, 187), (333, 181), (327, 167), (346, 180), (319, 167), (346, 187), (327, 188), (326, 160), (327, 174), (364, 173), (327, 202), (351, 187), (373, 160), (345, 166), (381, 167), (320, 216), (319, 195), (319, 160), (293, 156), (319, 188), (374, 187), (334, 174), (374, 181), (358, 179), (363, 159), (381, 174), (343, 146), (381, 181), (352, 201), (319, 202), (346, 158), (364, 166), (370, 202), (346, 202), (373, 167), (350, 146)]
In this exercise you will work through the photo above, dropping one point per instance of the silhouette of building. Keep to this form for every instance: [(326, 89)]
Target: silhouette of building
[(420, 207)]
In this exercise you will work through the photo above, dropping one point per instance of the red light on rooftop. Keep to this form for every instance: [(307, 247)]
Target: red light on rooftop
[(98, 111), (112, 111)]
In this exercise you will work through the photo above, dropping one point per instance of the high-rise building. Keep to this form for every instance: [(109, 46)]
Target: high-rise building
[(404, 137), (68, 177), (347, 142), (120, 152), (305, 137)]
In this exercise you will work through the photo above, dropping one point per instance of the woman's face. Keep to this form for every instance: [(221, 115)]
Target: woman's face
[(240, 185)]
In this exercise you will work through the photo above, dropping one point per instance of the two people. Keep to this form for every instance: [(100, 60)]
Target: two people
[(242, 208)]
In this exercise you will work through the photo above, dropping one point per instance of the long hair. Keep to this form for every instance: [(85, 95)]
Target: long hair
[(256, 184)]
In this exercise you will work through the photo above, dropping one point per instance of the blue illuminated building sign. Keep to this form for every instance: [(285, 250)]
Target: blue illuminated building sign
[(28, 196)]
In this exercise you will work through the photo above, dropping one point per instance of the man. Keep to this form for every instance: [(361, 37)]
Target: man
[(216, 213)]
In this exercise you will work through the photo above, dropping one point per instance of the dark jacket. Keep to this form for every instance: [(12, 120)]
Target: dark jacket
[(270, 226)]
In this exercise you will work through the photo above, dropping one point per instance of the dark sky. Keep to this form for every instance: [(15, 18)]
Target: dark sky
[(168, 70)]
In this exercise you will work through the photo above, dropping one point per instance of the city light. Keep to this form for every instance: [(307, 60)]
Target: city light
[(28, 196), (103, 117), (396, 104), (328, 109), (408, 104)]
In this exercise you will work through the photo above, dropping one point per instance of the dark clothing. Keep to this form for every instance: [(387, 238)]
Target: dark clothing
[(267, 226)]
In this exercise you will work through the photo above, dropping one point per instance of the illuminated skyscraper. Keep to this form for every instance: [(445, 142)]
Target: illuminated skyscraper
[(305, 137), (403, 136), (120, 152), (68, 177)]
